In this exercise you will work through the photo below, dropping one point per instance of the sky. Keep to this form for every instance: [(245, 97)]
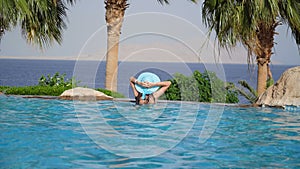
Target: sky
[(150, 32)]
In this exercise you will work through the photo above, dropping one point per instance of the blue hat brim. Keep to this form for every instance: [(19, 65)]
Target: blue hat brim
[(147, 77)]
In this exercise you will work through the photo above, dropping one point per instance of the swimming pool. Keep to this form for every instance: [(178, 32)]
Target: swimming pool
[(38, 133)]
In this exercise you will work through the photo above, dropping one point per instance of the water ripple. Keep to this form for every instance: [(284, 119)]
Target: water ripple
[(38, 133)]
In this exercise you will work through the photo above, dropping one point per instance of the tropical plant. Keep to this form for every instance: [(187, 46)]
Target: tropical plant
[(252, 23), (183, 88), (115, 10), (245, 90), (57, 80), (201, 87), (270, 82), (41, 21)]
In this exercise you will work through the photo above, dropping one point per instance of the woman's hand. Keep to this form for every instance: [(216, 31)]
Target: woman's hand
[(132, 79), (147, 84)]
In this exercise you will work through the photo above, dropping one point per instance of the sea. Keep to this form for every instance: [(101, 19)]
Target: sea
[(25, 72)]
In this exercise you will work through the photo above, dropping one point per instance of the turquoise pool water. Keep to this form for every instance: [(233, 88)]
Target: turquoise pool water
[(37, 133)]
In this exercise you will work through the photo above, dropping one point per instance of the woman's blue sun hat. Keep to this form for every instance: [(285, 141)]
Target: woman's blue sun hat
[(147, 77)]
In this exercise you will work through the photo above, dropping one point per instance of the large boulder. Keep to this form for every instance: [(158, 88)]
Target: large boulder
[(84, 94), (285, 92)]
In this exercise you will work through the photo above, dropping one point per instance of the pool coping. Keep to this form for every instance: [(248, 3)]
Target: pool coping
[(132, 100)]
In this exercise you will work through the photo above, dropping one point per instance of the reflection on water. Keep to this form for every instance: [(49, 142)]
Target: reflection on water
[(287, 125)]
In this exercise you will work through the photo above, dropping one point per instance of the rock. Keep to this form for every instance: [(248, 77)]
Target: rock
[(84, 94), (285, 92)]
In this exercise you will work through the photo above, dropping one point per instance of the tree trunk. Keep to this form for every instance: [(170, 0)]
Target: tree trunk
[(115, 10), (261, 77), (111, 75), (263, 51)]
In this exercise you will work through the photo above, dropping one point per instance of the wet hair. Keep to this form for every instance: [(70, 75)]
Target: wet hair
[(138, 98)]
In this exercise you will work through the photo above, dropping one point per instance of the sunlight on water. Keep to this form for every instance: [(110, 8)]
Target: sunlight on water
[(128, 130), (38, 133)]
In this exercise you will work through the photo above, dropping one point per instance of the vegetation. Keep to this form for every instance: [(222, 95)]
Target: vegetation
[(270, 82), (254, 26), (57, 80), (37, 90), (3, 88), (41, 21), (205, 87), (48, 91), (51, 86), (111, 93), (245, 90)]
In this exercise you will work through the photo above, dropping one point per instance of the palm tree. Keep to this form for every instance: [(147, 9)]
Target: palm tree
[(41, 21), (115, 10), (252, 23)]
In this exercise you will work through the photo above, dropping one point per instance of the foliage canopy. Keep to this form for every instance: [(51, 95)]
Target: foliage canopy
[(201, 87)]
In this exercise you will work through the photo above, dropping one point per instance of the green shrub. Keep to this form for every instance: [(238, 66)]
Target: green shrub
[(57, 80), (206, 87), (270, 82), (111, 93), (37, 90), (182, 88), (48, 91), (3, 88), (173, 92), (232, 96)]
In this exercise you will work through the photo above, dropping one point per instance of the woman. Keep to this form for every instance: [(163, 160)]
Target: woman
[(148, 88)]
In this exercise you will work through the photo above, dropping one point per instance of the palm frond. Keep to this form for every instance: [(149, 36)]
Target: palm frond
[(248, 87), (167, 1), (251, 98), (42, 21), (163, 1), (250, 95), (290, 15)]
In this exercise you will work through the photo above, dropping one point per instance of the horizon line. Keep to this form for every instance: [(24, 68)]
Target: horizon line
[(68, 58)]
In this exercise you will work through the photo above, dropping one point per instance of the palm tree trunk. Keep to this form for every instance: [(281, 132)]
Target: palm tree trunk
[(261, 77), (115, 10), (264, 45), (111, 74)]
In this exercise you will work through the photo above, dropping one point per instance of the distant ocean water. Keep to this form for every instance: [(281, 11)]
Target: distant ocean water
[(16, 72)]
